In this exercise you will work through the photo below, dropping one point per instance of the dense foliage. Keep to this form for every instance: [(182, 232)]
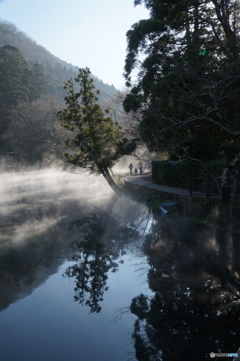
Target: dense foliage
[(186, 56), (20, 84), (181, 174)]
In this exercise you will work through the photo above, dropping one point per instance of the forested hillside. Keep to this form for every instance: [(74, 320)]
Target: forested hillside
[(31, 92), (56, 71)]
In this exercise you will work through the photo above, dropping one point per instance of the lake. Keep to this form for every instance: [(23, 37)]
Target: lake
[(88, 276)]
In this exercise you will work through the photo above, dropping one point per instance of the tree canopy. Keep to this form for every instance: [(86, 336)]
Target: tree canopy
[(187, 87)]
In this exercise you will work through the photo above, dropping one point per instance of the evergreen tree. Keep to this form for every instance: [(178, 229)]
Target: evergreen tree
[(14, 92), (38, 86), (98, 141)]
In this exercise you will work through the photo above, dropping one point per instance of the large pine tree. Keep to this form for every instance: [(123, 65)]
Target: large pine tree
[(99, 141)]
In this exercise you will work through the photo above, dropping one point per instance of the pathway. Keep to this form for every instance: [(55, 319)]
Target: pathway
[(145, 181)]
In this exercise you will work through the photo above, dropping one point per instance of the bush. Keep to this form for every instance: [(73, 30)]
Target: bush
[(180, 174)]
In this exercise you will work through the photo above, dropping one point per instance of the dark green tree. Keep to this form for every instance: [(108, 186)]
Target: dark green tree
[(13, 88), (99, 141), (38, 85), (187, 85), (20, 84)]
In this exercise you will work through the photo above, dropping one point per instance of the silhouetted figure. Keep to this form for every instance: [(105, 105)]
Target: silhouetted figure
[(140, 166), (131, 168), (135, 170)]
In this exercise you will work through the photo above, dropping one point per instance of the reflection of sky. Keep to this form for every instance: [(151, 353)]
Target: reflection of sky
[(144, 223), (49, 323)]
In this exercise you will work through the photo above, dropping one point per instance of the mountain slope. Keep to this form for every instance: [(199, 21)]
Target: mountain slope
[(56, 70)]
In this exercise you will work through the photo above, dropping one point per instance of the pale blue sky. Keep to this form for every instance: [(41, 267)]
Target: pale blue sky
[(82, 32)]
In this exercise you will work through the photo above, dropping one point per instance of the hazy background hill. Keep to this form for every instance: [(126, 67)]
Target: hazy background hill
[(31, 92), (56, 70)]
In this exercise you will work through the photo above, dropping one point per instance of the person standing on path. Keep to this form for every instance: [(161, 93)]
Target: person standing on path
[(140, 166), (131, 168)]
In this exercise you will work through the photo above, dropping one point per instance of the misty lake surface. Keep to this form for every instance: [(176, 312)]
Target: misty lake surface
[(88, 276)]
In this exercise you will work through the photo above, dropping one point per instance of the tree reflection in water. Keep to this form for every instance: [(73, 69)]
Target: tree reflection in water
[(194, 276), (99, 252)]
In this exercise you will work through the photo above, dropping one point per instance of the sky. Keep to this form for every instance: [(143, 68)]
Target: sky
[(84, 33)]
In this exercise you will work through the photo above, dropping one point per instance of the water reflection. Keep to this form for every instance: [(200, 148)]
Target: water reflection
[(190, 309), (36, 208), (100, 249), (194, 276), (41, 213)]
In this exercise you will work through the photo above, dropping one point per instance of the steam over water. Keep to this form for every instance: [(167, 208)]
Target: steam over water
[(43, 315), (36, 211), (88, 276), (37, 195)]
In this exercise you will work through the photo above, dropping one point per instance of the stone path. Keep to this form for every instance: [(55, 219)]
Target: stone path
[(145, 181)]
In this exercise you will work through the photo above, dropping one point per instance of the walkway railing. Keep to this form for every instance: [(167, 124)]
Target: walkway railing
[(210, 186)]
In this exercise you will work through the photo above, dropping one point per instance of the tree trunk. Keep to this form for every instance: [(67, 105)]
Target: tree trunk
[(226, 178), (112, 184), (105, 172)]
